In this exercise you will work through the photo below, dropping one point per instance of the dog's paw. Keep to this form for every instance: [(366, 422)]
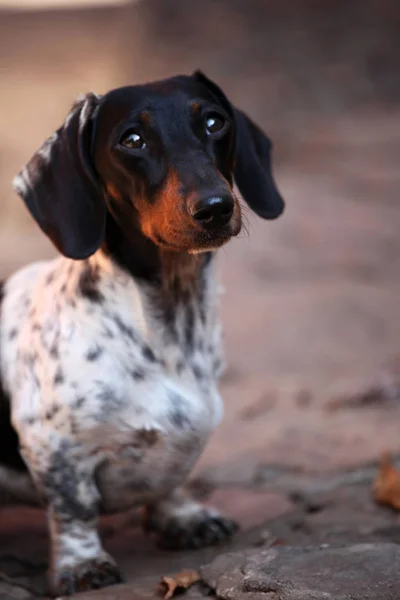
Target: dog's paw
[(89, 575), (203, 528)]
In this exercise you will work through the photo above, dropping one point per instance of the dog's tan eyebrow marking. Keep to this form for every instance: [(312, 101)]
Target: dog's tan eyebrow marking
[(145, 117), (195, 106)]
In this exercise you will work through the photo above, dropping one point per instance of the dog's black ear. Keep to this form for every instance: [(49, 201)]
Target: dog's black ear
[(60, 188), (252, 159), (253, 173)]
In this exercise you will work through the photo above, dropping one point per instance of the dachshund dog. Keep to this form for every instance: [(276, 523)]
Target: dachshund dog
[(110, 354)]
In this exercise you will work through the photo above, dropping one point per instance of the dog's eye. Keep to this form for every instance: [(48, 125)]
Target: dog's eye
[(133, 140), (215, 124)]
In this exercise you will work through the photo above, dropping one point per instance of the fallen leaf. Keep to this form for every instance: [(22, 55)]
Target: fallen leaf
[(386, 488), (178, 583), (278, 542)]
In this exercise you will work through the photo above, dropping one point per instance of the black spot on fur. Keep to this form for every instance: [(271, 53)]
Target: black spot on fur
[(49, 279), (217, 365), (52, 412), (87, 544), (36, 327), (94, 353), (138, 374), (88, 284), (148, 354), (54, 351), (125, 329), (198, 372), (36, 380), (13, 333), (107, 396), (62, 480), (202, 311), (180, 365), (177, 414), (79, 402), (203, 287), (63, 288), (189, 328), (73, 426), (58, 377)]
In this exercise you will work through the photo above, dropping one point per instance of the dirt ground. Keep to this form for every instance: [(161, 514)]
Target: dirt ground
[(311, 309)]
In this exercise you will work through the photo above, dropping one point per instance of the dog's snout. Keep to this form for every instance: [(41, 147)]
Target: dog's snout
[(213, 211)]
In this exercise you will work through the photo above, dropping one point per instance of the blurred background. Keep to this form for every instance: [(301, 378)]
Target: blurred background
[(311, 310)]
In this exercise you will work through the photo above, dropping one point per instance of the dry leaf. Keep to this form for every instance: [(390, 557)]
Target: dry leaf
[(179, 582), (386, 487)]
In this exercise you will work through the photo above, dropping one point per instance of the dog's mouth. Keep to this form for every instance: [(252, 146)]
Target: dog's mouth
[(205, 241), (195, 240)]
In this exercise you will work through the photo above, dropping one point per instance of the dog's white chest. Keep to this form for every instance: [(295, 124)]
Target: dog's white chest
[(112, 380)]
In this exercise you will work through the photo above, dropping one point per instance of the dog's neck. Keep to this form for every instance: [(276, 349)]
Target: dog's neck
[(180, 288), (174, 274)]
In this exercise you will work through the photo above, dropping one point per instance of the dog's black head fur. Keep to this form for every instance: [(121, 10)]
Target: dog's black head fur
[(154, 163)]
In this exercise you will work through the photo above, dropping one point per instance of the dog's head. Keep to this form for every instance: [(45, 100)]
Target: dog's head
[(160, 157)]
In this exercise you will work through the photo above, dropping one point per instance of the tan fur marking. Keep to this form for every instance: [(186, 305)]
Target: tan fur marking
[(112, 191), (145, 118)]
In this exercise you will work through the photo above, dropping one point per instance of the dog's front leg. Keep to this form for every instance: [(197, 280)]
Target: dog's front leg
[(181, 523), (78, 560)]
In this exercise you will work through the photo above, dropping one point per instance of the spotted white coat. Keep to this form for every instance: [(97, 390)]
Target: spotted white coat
[(113, 390)]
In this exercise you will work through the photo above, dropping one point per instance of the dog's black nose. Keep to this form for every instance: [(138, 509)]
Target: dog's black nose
[(214, 211)]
